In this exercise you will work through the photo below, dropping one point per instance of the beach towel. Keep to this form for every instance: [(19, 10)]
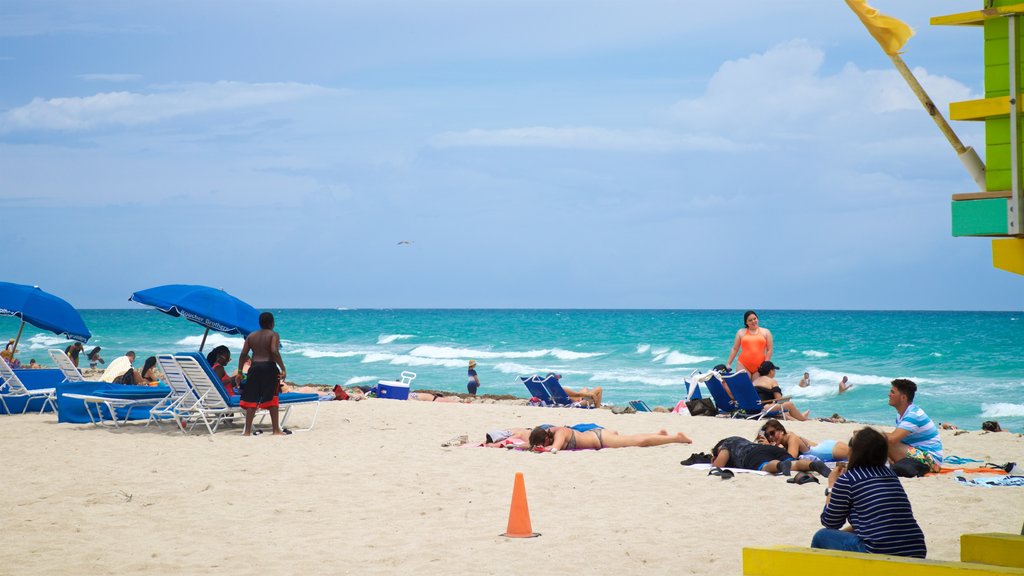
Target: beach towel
[(1001, 481), (735, 470)]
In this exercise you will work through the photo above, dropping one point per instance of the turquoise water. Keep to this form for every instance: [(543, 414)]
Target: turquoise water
[(967, 364)]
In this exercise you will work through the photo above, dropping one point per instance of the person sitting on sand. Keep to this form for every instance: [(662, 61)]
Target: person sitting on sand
[(768, 389), (563, 438), (844, 385), (775, 433), (915, 447), (121, 371), (868, 495), (150, 373), (737, 452), (592, 397)]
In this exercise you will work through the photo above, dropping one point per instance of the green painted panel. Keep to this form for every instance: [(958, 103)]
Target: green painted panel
[(980, 217), (997, 153)]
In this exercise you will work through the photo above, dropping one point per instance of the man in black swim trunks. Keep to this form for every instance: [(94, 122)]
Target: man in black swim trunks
[(265, 373)]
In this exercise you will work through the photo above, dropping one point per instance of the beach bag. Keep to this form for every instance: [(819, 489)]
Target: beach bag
[(701, 407)]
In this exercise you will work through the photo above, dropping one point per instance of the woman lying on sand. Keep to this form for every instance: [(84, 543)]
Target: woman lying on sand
[(562, 438), (775, 434)]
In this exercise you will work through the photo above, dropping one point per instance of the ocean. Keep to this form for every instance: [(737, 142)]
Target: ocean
[(967, 365)]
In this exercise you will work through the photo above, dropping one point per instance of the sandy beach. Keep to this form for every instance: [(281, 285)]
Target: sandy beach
[(371, 490)]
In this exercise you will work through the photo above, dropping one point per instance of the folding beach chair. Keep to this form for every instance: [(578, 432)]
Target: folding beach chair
[(640, 406), (693, 384), (214, 401), (12, 387), (181, 404), (734, 394), (100, 407), (559, 395), (66, 366), (747, 399), (535, 384)]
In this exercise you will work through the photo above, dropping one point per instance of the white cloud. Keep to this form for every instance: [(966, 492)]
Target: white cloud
[(783, 93), (585, 138), (133, 109), (110, 77)]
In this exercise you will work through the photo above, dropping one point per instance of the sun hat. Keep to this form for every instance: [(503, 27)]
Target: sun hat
[(472, 362)]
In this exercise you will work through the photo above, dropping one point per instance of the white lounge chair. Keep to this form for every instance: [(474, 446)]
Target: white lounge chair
[(180, 404), (12, 387), (66, 366), (214, 401)]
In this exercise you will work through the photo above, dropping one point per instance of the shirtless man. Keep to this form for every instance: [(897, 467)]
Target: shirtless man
[(266, 372)]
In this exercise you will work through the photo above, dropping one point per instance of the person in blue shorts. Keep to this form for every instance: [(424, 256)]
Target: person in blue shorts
[(915, 448)]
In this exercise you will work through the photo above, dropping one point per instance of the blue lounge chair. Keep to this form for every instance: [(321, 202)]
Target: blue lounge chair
[(640, 406), (741, 399), (747, 399), (536, 387), (559, 395)]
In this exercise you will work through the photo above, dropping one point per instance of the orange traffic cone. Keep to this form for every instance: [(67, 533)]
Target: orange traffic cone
[(519, 514)]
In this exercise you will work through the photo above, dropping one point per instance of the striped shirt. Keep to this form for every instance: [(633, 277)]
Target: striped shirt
[(874, 502), (924, 435)]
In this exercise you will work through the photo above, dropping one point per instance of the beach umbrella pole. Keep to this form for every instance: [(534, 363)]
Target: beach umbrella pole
[(18, 339), (203, 343)]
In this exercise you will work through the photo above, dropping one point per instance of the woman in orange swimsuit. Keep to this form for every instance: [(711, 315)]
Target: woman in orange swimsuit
[(755, 342)]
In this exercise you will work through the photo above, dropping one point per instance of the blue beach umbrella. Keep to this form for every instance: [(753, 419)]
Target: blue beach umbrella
[(43, 310), (210, 307)]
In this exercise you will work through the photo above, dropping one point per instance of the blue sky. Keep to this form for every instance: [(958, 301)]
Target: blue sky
[(657, 154)]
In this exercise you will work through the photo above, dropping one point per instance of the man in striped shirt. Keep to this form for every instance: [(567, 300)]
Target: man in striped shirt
[(914, 446)]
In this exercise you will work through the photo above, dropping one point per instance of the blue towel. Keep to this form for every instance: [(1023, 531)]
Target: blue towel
[(585, 427), (955, 460)]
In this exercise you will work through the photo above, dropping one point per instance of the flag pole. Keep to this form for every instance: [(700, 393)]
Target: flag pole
[(968, 157)]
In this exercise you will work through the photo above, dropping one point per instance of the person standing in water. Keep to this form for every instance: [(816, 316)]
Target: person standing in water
[(474, 380), (755, 342), (266, 371)]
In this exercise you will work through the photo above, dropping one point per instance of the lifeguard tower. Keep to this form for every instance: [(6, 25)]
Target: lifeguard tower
[(996, 210)]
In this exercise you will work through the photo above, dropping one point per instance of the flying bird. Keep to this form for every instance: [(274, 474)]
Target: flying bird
[(404, 242)]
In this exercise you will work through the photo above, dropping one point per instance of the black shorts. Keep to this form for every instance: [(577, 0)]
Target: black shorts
[(758, 455), (261, 386)]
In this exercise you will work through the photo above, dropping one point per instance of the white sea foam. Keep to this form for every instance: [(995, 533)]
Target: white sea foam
[(41, 341), (568, 355), (643, 348), (317, 353), (1002, 410), (830, 378), (389, 338), (407, 360), (523, 370), (905, 345), (660, 350), (359, 380), (815, 354), (628, 377), (214, 339), (936, 355), (463, 354), (675, 358)]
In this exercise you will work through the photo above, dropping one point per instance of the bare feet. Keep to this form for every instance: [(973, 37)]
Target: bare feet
[(683, 439), (662, 432)]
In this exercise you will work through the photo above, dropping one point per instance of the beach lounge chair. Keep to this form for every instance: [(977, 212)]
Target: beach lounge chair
[(181, 404), (740, 399), (12, 387), (535, 384), (66, 366), (559, 395), (215, 403), (640, 406)]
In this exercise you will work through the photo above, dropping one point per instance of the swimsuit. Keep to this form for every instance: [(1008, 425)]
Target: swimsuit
[(261, 386), (752, 353), (571, 444), (823, 451)]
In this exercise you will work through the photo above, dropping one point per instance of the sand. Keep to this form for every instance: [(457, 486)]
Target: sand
[(371, 490)]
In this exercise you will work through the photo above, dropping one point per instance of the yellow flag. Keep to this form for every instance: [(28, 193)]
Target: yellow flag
[(890, 33)]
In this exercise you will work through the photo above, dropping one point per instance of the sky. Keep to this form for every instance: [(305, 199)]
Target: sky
[(533, 154)]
